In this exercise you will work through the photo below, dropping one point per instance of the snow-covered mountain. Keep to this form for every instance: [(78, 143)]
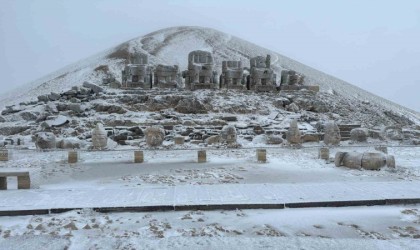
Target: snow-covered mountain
[(171, 46)]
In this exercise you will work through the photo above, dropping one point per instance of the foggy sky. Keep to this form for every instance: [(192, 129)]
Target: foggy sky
[(372, 44)]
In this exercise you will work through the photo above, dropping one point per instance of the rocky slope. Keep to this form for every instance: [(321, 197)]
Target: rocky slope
[(171, 46)]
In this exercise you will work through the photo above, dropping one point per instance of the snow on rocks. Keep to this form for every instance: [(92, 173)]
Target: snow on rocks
[(332, 134), (45, 140), (95, 88)]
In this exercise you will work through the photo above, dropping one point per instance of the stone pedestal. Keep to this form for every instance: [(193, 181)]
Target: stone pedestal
[(73, 157), (3, 183), (138, 157), (4, 155), (24, 182), (202, 156), (324, 153), (179, 140), (261, 155)]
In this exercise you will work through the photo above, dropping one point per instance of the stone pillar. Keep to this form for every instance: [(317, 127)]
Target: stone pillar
[(73, 157), (202, 156), (4, 155), (324, 153), (179, 140), (390, 161), (24, 182), (383, 149), (3, 183), (138, 157), (261, 155)]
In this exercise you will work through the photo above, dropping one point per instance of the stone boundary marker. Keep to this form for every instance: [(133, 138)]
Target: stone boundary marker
[(204, 207), (73, 156), (261, 155), (138, 157), (4, 155), (202, 156)]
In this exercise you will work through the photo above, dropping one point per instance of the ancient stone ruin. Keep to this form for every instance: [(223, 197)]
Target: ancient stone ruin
[(293, 135), (232, 76), (200, 73), (366, 160), (262, 77), (332, 134), (291, 80), (167, 76), (138, 73)]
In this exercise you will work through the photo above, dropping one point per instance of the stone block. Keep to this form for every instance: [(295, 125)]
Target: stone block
[(4, 155), (179, 140), (138, 157), (390, 161), (24, 182), (3, 183), (383, 149), (324, 153), (261, 155), (73, 157), (202, 156)]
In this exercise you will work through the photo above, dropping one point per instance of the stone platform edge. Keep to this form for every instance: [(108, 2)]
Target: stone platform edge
[(211, 207)]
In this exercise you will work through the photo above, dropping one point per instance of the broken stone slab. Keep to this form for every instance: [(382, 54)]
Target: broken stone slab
[(274, 139), (57, 121), (12, 130), (95, 88), (28, 115)]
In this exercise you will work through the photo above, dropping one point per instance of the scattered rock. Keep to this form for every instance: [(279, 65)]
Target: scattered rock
[(57, 121), (394, 133), (293, 108), (12, 130), (54, 96), (213, 139), (274, 139), (43, 98), (190, 106), (359, 134), (97, 89), (28, 116), (45, 140)]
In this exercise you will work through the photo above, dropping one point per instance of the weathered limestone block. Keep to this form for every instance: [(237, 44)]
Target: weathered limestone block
[(228, 134), (154, 136), (179, 140), (332, 134), (359, 134), (138, 157), (202, 156), (4, 155), (293, 135), (99, 137), (310, 138), (45, 140), (24, 181), (261, 155), (324, 153), (72, 156), (367, 160)]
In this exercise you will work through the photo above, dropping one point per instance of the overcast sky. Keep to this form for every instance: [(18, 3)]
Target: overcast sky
[(373, 44)]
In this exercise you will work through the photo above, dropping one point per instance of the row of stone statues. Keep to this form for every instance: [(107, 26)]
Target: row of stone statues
[(201, 74)]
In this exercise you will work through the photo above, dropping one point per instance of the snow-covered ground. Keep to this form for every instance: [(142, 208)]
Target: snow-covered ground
[(390, 227), (110, 178)]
